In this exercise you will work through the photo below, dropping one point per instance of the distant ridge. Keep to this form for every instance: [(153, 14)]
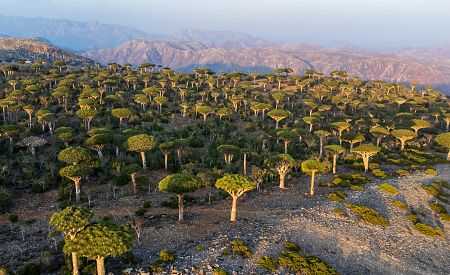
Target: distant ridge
[(70, 34)]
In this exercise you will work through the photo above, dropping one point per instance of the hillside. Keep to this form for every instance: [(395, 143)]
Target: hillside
[(70, 34), (34, 49), (364, 64)]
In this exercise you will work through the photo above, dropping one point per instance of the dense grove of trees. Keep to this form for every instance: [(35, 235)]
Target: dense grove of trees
[(63, 126)]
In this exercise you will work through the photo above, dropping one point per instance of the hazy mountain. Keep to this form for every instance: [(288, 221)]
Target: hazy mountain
[(33, 49), (187, 55), (74, 35), (221, 39)]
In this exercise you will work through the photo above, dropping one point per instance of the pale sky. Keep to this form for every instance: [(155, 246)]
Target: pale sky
[(365, 23)]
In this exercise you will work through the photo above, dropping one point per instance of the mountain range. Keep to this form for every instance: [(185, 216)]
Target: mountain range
[(226, 51)]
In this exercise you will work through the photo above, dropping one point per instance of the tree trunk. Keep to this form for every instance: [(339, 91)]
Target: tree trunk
[(311, 191), (75, 264), (403, 144), (334, 163), (321, 147), (366, 163), (286, 146), (448, 155), (133, 180), (233, 209), (77, 190), (282, 175), (166, 157), (180, 208), (33, 151), (100, 266), (144, 162), (245, 164)]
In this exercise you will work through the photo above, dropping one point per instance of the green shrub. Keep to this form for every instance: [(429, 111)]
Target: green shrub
[(140, 212), (5, 195), (30, 269), (388, 188), (442, 183), (402, 173), (120, 180), (445, 217), (155, 268), (379, 173), (304, 265), (400, 204), (345, 180), (367, 214), (437, 207), (431, 171), (240, 248), (147, 204), (291, 246), (413, 218), (356, 188), (199, 247), (428, 230), (170, 203), (13, 218), (269, 263), (432, 189), (339, 212), (219, 271), (166, 257), (337, 196), (374, 166)]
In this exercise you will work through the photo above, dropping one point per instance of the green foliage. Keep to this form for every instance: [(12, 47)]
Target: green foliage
[(443, 140), (437, 207), (75, 171), (233, 183), (388, 188), (339, 212), (101, 239), (5, 195), (199, 247), (400, 204), (345, 180), (140, 143), (367, 214), (431, 171), (13, 218), (312, 166), (180, 184), (71, 220), (30, 269), (337, 196), (379, 173), (219, 271), (122, 113), (304, 264), (74, 155), (166, 257), (428, 230), (268, 263), (291, 246), (240, 248), (140, 212)]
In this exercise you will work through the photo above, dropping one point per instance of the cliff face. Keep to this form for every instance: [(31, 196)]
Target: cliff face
[(33, 49), (182, 55)]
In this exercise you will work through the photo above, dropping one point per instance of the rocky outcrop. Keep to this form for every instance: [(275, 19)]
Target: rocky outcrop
[(34, 49)]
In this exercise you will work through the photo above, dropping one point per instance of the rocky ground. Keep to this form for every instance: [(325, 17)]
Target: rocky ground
[(265, 221)]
